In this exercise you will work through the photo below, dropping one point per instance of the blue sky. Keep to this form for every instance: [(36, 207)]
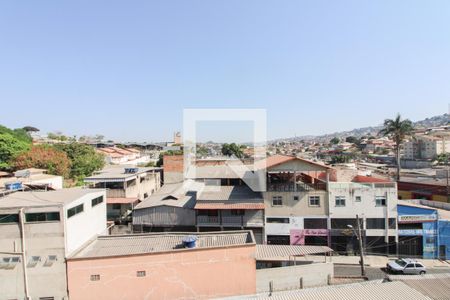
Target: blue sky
[(127, 69)]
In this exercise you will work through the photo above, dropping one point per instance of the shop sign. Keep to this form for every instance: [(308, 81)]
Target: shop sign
[(315, 232), (416, 218), (409, 232)]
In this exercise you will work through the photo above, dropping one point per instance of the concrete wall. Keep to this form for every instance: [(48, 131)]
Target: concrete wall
[(190, 274), (288, 278), (42, 239), (84, 226)]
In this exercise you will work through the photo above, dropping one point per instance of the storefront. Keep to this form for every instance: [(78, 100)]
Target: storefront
[(312, 237), (417, 231)]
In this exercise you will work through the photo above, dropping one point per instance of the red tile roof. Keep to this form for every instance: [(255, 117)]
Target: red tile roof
[(362, 179), (279, 159), (229, 206), (121, 200)]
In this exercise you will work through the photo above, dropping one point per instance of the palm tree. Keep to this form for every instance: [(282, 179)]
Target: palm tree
[(397, 130)]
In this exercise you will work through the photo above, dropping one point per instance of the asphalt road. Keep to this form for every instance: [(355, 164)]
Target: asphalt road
[(374, 273)]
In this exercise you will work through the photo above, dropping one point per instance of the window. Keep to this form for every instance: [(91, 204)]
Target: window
[(95, 277), (358, 199), (429, 240), (392, 223), (375, 223), (116, 206), (140, 274), (75, 210), (342, 223), (419, 265), (13, 218), (277, 220), (296, 198), (339, 201), (96, 201), (314, 200), (410, 266), (380, 201), (277, 201), (315, 223), (42, 217)]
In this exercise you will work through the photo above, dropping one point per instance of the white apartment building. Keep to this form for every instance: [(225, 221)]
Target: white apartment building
[(38, 230), (426, 147)]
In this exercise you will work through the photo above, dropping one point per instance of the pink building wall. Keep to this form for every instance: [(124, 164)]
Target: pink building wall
[(186, 274)]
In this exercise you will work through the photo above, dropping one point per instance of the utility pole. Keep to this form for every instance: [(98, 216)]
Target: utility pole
[(361, 250)]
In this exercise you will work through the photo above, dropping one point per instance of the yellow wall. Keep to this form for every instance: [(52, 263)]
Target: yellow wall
[(404, 195)]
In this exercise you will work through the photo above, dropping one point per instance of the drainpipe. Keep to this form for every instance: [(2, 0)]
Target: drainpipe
[(24, 258)]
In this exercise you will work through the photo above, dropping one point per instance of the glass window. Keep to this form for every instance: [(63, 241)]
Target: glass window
[(237, 212), (140, 274), (296, 198), (95, 277), (358, 199), (400, 262), (277, 220), (277, 200), (339, 223), (315, 223), (375, 223), (116, 206), (96, 201), (380, 201), (339, 201), (419, 266), (75, 210), (42, 217), (314, 200), (410, 265), (12, 218)]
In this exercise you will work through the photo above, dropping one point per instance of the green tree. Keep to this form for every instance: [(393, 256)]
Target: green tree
[(10, 148), (84, 159), (352, 139), (397, 129), (232, 149), (202, 151), (335, 140), (44, 157)]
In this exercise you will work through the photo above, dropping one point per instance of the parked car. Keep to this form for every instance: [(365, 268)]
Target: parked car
[(406, 266)]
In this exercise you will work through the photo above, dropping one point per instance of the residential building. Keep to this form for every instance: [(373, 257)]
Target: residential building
[(125, 187), (31, 178), (426, 146), (38, 230), (162, 266), (375, 202), (119, 156), (185, 266)]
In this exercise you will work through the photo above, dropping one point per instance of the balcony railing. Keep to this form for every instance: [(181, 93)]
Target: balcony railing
[(231, 221), (296, 187)]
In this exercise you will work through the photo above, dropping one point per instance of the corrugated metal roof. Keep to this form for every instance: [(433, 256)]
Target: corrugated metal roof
[(229, 205), (121, 200), (120, 245), (356, 291), (436, 286), (229, 193), (285, 252)]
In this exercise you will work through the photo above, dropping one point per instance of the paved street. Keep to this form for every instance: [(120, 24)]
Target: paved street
[(375, 273)]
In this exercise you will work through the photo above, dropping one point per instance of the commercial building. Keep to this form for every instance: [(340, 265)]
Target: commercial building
[(423, 231), (125, 187), (38, 230)]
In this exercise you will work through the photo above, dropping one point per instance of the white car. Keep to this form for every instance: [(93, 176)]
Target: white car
[(406, 266)]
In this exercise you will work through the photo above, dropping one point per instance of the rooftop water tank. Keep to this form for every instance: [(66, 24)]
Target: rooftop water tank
[(190, 241), (13, 186)]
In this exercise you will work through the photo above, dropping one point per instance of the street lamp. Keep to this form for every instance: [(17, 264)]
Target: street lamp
[(359, 237)]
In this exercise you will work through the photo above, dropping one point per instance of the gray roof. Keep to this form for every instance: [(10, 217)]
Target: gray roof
[(218, 171), (371, 290), (436, 286), (181, 194), (44, 198), (120, 245), (229, 193), (117, 173), (286, 252)]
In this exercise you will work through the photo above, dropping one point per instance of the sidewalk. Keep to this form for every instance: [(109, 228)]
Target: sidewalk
[(375, 261)]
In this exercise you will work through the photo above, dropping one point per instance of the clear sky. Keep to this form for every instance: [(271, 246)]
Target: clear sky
[(127, 69)]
